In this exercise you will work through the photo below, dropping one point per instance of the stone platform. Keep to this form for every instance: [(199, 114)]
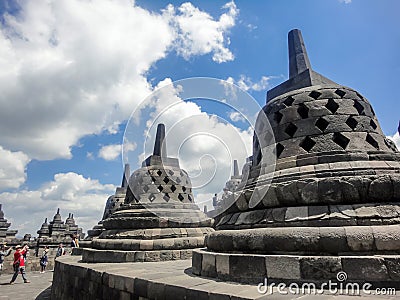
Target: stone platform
[(157, 280), (380, 270)]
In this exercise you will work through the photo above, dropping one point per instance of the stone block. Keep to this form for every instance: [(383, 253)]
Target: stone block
[(360, 238), (381, 189), (119, 282), (151, 256), (208, 265), (222, 265), (393, 267), (186, 254), (124, 296), (141, 287), (156, 290), (129, 284), (366, 211), (317, 212), (365, 268), (247, 267), (319, 268), (197, 259), (333, 240), (387, 238), (388, 211), (165, 255), (283, 267), (175, 292), (296, 213), (139, 256)]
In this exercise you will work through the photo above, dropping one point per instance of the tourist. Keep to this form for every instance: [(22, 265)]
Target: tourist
[(19, 263), (60, 250), (3, 253), (44, 259), (74, 241), (26, 252)]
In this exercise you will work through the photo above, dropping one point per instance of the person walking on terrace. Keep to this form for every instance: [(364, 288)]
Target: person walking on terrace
[(44, 259), (19, 263)]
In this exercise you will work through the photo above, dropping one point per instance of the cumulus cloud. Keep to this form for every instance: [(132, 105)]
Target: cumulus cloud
[(236, 116), (345, 1), (71, 68), (247, 84), (198, 33), (12, 168), (71, 192), (111, 152), (205, 144)]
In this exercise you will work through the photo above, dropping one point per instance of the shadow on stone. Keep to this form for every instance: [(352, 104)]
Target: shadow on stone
[(44, 295)]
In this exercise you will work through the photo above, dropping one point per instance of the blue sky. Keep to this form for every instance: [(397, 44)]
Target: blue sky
[(73, 71)]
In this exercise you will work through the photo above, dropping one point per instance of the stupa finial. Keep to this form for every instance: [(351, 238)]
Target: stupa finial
[(235, 168), (298, 58), (159, 145)]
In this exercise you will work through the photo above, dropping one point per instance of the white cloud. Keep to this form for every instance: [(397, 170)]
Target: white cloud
[(247, 84), (205, 144), (345, 1), (198, 33), (71, 192), (12, 168), (396, 139), (236, 116), (111, 152), (70, 68)]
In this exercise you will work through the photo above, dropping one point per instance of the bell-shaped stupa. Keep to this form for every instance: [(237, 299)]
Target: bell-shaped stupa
[(158, 220), (330, 204)]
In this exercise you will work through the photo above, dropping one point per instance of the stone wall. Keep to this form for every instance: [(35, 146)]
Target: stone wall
[(71, 281)]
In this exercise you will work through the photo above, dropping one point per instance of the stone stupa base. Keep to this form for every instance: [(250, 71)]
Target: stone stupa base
[(377, 270), (302, 254)]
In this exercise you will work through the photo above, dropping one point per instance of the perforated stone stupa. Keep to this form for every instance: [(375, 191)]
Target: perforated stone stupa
[(158, 220), (333, 202)]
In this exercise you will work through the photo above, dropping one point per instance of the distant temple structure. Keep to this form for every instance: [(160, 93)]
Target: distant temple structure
[(56, 231), (6, 235)]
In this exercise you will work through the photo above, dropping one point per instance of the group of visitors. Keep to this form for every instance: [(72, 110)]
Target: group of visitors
[(20, 255)]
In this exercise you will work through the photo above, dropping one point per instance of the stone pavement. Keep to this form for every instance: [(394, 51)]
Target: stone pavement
[(159, 280), (39, 288)]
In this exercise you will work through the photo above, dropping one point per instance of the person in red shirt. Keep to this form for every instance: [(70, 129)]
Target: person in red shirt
[(19, 263)]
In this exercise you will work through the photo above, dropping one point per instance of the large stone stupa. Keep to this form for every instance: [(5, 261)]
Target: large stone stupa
[(331, 202), (158, 220)]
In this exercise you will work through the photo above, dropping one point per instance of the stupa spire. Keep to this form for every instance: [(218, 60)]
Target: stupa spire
[(298, 58), (301, 74), (159, 145), (235, 168)]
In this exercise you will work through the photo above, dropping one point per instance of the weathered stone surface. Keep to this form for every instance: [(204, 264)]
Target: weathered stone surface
[(208, 265), (361, 268), (360, 238), (283, 267), (319, 268), (387, 238)]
